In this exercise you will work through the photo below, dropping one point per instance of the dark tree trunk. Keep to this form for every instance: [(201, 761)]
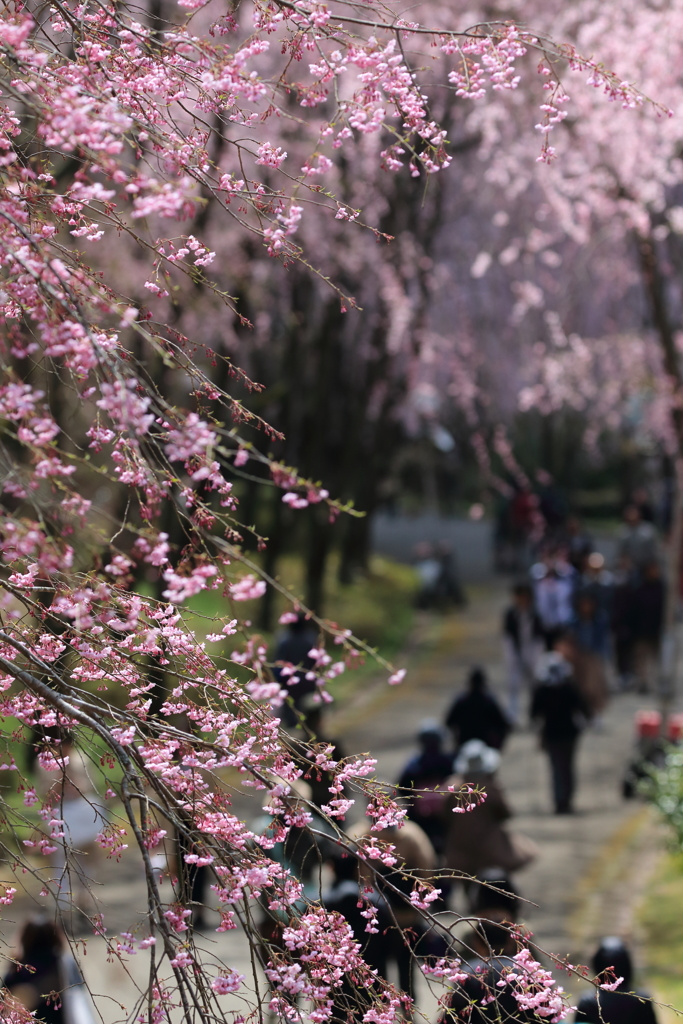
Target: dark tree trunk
[(355, 549), (318, 548), (276, 539)]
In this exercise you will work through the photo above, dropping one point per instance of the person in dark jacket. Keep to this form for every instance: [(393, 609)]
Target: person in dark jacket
[(648, 623), (480, 999), (477, 715), (493, 896), (425, 774), (303, 749), (619, 1007), (559, 709), (291, 653), (349, 898), (43, 972)]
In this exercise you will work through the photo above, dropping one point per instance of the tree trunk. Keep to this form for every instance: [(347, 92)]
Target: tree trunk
[(276, 537), (655, 287), (318, 548)]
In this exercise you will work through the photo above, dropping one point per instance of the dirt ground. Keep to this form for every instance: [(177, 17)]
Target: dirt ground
[(592, 866)]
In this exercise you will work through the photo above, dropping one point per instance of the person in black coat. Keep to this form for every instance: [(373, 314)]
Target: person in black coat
[(558, 707), (425, 774), (618, 1007), (649, 599), (291, 651), (43, 971), (350, 899), (480, 999), (477, 715)]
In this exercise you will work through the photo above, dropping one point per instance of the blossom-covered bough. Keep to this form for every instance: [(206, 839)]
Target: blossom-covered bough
[(122, 441)]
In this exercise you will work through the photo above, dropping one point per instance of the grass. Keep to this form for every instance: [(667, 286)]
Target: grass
[(378, 607), (661, 922)]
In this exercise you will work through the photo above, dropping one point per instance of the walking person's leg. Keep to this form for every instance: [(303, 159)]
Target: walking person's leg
[(514, 681), (554, 757), (569, 761), (561, 755)]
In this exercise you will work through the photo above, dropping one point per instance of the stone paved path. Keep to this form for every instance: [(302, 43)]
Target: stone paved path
[(591, 865)]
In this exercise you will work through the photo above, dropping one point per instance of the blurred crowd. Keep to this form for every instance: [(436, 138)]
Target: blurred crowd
[(607, 622), (575, 632)]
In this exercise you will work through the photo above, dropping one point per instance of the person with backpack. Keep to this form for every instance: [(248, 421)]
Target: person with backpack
[(421, 783)]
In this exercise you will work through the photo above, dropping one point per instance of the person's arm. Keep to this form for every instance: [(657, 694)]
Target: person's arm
[(587, 1011)]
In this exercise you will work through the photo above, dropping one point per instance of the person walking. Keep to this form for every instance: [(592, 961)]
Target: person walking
[(638, 542), (561, 713), (424, 776), (649, 598), (612, 961), (478, 839), (493, 897), (44, 978), (623, 622), (483, 996), (347, 897), (591, 635), (415, 859), (314, 737), (523, 643), (293, 664), (578, 542), (77, 804), (554, 586), (477, 715)]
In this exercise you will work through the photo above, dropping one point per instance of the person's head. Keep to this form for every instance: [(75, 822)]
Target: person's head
[(565, 645), (652, 571), (423, 551), (476, 758), (300, 623), (344, 867), (40, 938), (488, 938), (430, 736), (476, 680), (493, 896), (523, 596), (553, 668), (595, 562), (632, 515), (612, 953)]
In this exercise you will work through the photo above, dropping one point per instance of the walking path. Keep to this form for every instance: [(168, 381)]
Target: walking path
[(590, 868), (569, 870)]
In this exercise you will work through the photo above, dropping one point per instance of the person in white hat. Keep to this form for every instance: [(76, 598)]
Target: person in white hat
[(477, 839)]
